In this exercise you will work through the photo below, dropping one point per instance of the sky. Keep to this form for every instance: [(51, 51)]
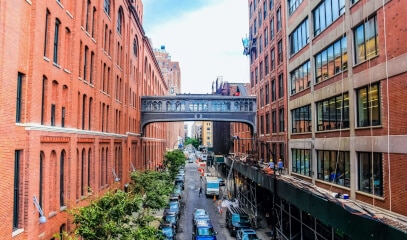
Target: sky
[(204, 36)]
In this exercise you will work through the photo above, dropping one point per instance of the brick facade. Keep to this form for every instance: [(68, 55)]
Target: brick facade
[(72, 74)]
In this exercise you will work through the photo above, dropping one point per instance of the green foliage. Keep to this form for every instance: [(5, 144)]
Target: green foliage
[(110, 216), (173, 162), (120, 215), (193, 141)]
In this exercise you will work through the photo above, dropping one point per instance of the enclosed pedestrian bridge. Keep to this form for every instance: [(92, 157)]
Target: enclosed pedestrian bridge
[(198, 107)]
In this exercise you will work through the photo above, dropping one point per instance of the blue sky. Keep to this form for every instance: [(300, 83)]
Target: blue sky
[(204, 36)]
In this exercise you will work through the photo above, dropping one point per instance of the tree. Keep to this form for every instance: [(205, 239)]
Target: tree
[(193, 141)]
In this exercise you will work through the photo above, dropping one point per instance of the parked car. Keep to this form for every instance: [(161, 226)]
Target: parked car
[(171, 218), (199, 214), (167, 231), (246, 234), (236, 219), (203, 230), (174, 206)]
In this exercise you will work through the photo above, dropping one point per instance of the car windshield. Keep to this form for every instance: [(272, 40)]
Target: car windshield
[(170, 218), (205, 232), (167, 231), (250, 236), (200, 212), (244, 219), (173, 205)]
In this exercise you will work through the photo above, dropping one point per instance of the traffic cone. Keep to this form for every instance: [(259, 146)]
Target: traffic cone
[(214, 198)]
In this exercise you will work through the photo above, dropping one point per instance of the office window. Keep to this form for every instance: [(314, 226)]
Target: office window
[(272, 28), (293, 5), (272, 60), (279, 21), (368, 105), (280, 51), (326, 13), (334, 166), (56, 40), (331, 61), (301, 119), (299, 38), (267, 123), (106, 7), (273, 90), (274, 121), (366, 46), (301, 78), (264, 9), (17, 190), (257, 75), (370, 173), (267, 93), (301, 161), (281, 123), (266, 65), (280, 85), (333, 113), (19, 97)]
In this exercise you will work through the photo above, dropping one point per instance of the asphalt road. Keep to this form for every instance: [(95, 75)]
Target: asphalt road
[(191, 200)]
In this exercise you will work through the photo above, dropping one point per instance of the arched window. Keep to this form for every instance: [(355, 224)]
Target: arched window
[(120, 21), (62, 179), (135, 46)]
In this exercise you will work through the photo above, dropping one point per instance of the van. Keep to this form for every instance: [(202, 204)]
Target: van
[(236, 219)]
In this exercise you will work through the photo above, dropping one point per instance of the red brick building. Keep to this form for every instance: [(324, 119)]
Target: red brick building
[(72, 73)]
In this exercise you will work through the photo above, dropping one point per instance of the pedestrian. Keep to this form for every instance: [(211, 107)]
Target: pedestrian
[(280, 166), (200, 191), (271, 164)]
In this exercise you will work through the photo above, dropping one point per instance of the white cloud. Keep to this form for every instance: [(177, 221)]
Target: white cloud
[(207, 43)]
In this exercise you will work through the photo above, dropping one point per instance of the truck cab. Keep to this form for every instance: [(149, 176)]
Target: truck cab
[(211, 186)]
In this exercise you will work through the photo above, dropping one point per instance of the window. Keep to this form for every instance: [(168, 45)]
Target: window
[(272, 28), (333, 113), (301, 161), (299, 38), (19, 100), (280, 51), (88, 9), (366, 40), (273, 59), (62, 179), (273, 90), (260, 45), (293, 5), (370, 173), (261, 125), (261, 70), (301, 78), (17, 189), (85, 62), (279, 19), (334, 166), (264, 9), (271, 4), (267, 89), (368, 105), (326, 13), (56, 40), (281, 123), (331, 61), (301, 119), (120, 21), (106, 7), (135, 47), (273, 121), (280, 85), (52, 114), (257, 75), (266, 65), (92, 59), (63, 117), (261, 97), (267, 123), (47, 16), (266, 39)]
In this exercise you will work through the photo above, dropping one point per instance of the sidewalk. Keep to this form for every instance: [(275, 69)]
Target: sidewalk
[(263, 232)]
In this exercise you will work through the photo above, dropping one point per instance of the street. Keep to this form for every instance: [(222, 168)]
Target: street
[(191, 200)]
